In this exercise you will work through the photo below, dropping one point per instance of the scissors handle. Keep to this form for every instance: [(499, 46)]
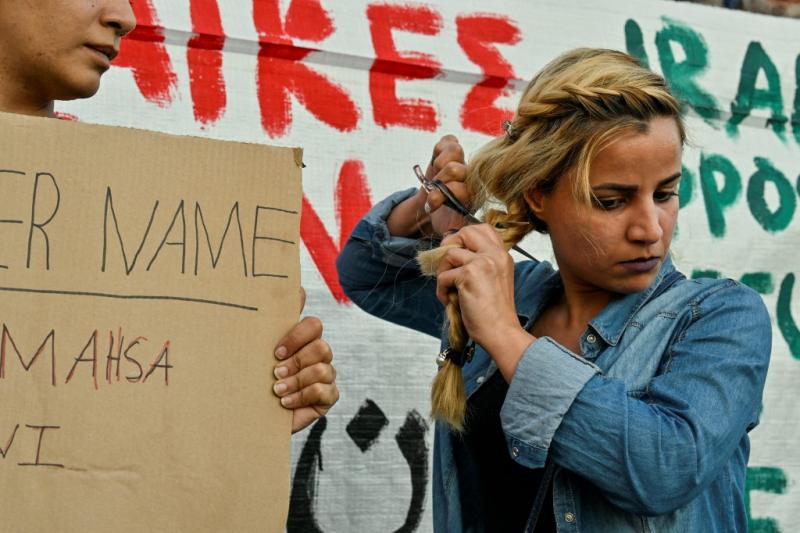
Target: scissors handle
[(454, 203)]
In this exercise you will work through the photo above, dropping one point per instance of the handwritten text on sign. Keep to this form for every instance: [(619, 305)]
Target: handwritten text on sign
[(144, 280)]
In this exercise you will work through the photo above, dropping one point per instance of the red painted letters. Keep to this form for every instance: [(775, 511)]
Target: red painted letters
[(391, 65), (352, 200), (204, 55), (475, 33), (283, 76), (308, 20), (281, 72), (143, 51)]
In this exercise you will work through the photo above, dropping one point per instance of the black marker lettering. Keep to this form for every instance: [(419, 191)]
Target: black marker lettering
[(110, 357), (81, 359), (134, 342), (163, 356), (198, 219), (4, 451), (109, 207), (257, 237), (10, 221), (38, 461), (40, 226), (181, 243)]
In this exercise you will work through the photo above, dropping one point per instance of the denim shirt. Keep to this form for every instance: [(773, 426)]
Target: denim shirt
[(646, 429)]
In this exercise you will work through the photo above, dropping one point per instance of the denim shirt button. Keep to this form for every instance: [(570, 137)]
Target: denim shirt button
[(591, 338), (514, 452), (569, 517), (480, 380)]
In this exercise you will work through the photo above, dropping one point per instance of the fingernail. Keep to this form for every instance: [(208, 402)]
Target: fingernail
[(427, 208), (279, 388), (281, 372), (280, 352), (287, 401)]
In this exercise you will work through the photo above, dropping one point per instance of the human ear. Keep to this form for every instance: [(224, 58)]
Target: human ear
[(537, 203)]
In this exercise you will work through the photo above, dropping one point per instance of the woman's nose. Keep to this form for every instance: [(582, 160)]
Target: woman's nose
[(645, 225)]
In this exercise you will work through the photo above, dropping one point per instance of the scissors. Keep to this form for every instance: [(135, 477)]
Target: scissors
[(455, 204)]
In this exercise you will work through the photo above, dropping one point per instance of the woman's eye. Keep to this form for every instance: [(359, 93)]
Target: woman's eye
[(609, 203), (665, 196)]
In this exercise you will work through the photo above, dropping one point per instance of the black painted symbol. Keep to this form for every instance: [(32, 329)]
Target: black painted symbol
[(411, 441), (367, 425), (364, 429), (304, 487)]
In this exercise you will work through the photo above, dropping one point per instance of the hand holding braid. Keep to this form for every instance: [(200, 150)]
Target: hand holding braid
[(475, 281), (448, 397)]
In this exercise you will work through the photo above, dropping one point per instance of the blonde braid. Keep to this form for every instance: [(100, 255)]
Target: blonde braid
[(448, 396), (598, 103)]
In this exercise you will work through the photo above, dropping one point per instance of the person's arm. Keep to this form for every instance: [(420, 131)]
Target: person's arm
[(379, 272), (378, 267), (653, 453)]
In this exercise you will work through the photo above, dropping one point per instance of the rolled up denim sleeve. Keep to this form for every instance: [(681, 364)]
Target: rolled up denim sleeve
[(379, 273), (653, 453), (546, 382)]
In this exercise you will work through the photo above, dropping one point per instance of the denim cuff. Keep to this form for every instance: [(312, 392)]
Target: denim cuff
[(546, 382), (400, 252)]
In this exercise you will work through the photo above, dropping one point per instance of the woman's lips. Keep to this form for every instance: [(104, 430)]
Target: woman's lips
[(641, 265)]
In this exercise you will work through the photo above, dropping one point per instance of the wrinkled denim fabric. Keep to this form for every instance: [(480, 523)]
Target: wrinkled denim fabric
[(646, 428)]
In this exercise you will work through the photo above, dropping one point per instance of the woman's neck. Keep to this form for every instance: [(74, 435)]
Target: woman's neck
[(580, 304)]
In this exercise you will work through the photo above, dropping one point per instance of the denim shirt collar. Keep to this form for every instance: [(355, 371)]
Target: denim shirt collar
[(528, 309), (611, 322)]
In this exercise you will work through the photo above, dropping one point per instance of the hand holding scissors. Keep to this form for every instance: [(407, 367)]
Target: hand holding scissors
[(455, 204)]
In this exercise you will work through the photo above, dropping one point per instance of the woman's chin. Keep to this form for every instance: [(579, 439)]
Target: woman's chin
[(635, 284)]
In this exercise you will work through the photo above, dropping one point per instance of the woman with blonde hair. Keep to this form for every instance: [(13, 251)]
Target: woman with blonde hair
[(609, 395)]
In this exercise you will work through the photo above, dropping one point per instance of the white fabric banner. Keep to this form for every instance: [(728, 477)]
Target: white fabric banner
[(367, 88)]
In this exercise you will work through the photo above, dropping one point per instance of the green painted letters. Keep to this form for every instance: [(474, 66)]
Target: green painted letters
[(796, 113), (686, 188), (748, 96), (716, 199), (767, 479), (786, 323), (681, 76), (698, 273), (779, 219), (634, 42), (761, 282)]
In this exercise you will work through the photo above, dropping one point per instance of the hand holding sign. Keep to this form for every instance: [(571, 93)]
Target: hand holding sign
[(307, 378)]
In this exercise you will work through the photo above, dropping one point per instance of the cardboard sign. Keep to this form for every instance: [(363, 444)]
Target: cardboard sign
[(144, 281)]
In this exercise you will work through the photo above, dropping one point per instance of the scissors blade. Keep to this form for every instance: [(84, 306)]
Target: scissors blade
[(454, 203), (523, 252)]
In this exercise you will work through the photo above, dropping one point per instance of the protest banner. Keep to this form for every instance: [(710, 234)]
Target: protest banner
[(367, 87), (144, 282)]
